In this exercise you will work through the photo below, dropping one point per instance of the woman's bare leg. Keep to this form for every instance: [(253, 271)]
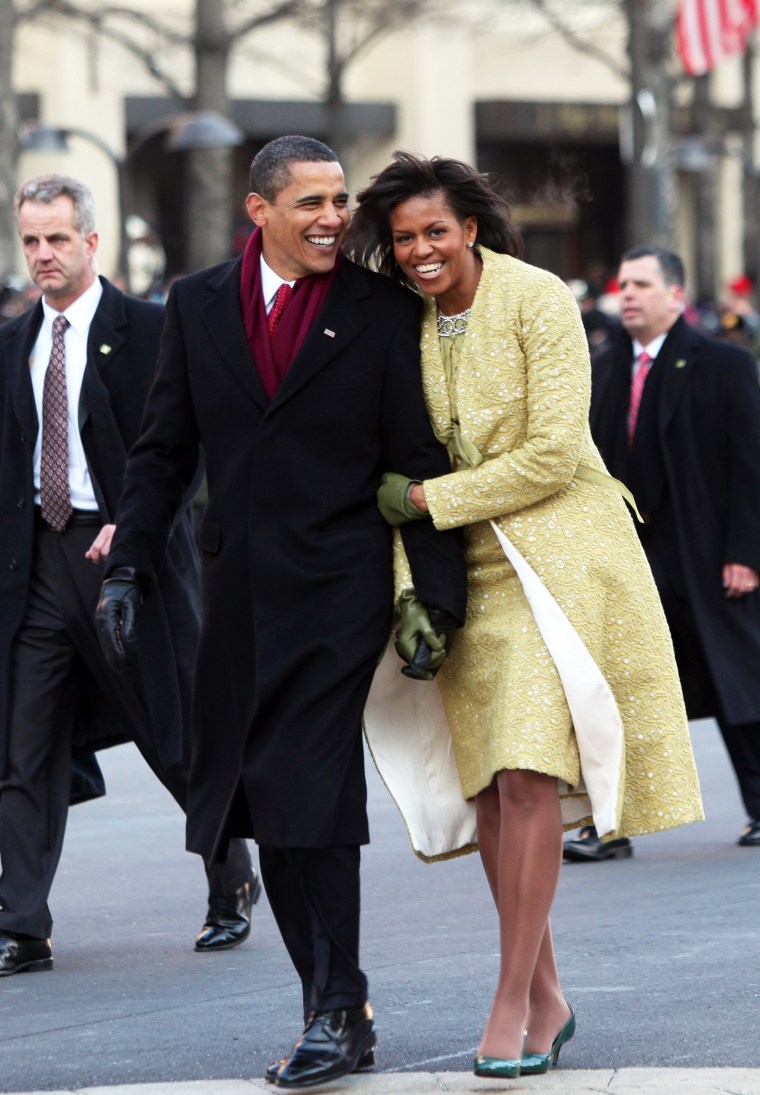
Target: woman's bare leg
[(522, 853), (548, 1011)]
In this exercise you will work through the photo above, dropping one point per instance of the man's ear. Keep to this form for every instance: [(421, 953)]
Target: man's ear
[(257, 206), (679, 296)]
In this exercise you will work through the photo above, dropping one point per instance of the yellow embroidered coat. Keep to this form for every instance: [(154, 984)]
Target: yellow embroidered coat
[(520, 392)]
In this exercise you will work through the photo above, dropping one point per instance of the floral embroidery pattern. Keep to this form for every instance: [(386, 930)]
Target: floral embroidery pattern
[(521, 387)]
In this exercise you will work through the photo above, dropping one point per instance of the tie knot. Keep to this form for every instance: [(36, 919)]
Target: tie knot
[(60, 324), (644, 358)]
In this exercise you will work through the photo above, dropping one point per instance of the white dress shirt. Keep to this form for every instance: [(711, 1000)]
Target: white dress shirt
[(80, 315), (652, 348), (270, 283)]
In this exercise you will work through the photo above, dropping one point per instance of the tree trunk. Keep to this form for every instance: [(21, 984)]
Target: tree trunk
[(209, 171), (8, 137), (651, 196), (706, 204), (751, 183), (335, 135)]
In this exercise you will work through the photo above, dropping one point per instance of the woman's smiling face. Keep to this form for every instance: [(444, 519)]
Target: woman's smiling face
[(432, 247)]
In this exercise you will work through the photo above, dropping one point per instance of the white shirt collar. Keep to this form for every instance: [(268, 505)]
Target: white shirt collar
[(270, 283), (652, 348), (80, 313)]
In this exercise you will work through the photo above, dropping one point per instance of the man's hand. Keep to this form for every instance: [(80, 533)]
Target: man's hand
[(421, 638), (101, 545), (739, 580), (116, 614), (394, 501)]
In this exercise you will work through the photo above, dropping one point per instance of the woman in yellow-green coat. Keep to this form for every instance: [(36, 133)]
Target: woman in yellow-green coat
[(561, 691)]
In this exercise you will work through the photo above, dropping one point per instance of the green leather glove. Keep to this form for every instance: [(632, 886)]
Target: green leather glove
[(393, 500), (421, 638)]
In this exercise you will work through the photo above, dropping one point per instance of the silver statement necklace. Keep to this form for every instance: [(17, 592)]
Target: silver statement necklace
[(448, 326)]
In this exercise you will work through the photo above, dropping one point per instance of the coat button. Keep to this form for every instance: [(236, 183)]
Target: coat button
[(20, 503), (12, 565), (22, 437)]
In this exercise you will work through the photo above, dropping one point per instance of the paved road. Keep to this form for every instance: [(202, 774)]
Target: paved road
[(659, 955)]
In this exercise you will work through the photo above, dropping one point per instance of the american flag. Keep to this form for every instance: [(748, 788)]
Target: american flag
[(707, 31)]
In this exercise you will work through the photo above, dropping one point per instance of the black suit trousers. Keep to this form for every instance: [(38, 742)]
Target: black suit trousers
[(55, 659), (315, 899)]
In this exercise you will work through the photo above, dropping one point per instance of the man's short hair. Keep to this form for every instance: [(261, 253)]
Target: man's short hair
[(270, 169), (46, 188), (671, 265)]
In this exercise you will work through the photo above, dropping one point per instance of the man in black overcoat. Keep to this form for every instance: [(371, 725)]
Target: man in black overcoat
[(300, 408), (61, 472), (691, 455)]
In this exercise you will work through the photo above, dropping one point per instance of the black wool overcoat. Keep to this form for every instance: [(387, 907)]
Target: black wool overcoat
[(296, 559), (122, 350), (708, 421)]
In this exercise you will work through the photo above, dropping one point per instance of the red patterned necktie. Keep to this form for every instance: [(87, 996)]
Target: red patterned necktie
[(637, 390), (282, 297), (55, 492)]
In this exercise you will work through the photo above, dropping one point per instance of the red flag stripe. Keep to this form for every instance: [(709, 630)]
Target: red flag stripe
[(708, 31)]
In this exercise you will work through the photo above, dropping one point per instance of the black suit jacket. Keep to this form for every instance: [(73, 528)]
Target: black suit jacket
[(122, 349), (296, 559), (707, 423)]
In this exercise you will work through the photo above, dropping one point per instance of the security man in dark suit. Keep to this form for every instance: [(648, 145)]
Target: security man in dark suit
[(298, 372), (74, 375), (676, 416)]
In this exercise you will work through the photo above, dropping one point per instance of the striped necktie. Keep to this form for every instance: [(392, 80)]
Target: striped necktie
[(280, 300), (637, 390), (55, 492)]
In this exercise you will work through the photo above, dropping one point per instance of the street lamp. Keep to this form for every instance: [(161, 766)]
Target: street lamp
[(197, 129)]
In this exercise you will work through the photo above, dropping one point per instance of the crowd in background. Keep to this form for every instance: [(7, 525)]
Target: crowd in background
[(734, 316)]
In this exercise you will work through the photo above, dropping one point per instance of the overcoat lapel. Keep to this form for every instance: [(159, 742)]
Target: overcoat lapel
[(678, 353), (224, 322), (335, 327), (19, 354), (104, 341), (101, 437), (110, 320)]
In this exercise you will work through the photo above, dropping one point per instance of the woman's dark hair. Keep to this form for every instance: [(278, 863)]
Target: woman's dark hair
[(466, 192)]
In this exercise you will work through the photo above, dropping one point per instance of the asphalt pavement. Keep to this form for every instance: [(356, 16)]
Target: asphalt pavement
[(658, 955)]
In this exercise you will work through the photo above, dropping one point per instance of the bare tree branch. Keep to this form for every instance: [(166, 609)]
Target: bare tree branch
[(97, 16), (147, 57), (568, 35), (286, 10)]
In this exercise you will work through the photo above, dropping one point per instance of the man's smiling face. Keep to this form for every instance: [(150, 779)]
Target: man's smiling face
[(303, 226)]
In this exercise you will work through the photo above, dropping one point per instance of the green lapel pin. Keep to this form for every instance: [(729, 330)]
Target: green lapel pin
[(104, 348)]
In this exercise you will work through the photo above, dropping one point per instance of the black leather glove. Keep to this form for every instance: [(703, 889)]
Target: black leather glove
[(116, 614), (393, 500), (422, 637)]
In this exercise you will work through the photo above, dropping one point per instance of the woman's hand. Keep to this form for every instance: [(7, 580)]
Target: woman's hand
[(416, 495), (395, 502)]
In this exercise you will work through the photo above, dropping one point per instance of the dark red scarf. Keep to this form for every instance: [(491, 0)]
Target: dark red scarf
[(273, 354)]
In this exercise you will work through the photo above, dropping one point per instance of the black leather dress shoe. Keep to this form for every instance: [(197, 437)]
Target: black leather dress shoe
[(228, 921), (750, 838), (23, 954), (365, 1063), (589, 846), (331, 1046)]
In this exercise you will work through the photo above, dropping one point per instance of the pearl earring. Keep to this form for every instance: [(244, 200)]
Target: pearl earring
[(471, 244)]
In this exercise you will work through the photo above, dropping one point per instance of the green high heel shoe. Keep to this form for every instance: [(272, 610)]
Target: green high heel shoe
[(533, 1064), (497, 1068)]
